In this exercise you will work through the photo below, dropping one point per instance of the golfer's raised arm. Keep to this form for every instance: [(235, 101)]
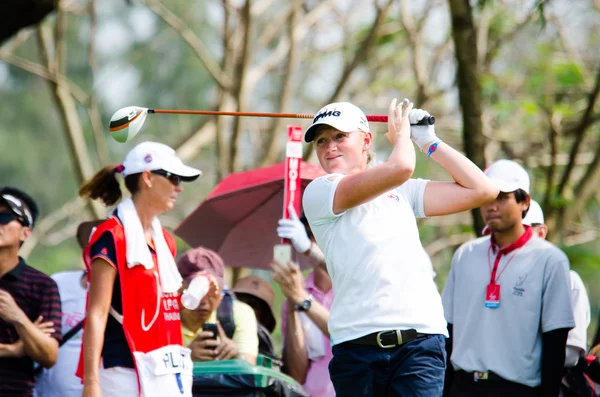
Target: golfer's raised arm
[(470, 189), (362, 186)]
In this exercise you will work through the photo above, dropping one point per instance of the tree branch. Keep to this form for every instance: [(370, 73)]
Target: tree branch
[(68, 111), (584, 123), (256, 73), (193, 41), (441, 244), (495, 46), (467, 74), (72, 207), (238, 91), (414, 41), (93, 108), (276, 126), (363, 51), (43, 72)]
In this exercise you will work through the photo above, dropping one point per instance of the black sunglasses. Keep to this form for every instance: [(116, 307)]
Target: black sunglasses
[(7, 217), (174, 179)]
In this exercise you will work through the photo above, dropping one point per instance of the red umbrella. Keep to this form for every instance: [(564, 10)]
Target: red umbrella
[(238, 219)]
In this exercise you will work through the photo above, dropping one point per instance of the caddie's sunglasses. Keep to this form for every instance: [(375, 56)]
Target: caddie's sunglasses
[(7, 217), (174, 179)]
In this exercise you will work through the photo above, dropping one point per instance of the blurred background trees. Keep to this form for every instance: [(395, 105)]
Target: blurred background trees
[(504, 79)]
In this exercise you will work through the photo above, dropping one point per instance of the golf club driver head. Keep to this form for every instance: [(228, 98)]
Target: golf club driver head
[(127, 122)]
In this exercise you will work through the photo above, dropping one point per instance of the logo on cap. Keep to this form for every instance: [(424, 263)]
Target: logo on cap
[(148, 158), (327, 113)]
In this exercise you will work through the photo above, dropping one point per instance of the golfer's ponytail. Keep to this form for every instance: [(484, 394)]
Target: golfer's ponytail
[(104, 185)]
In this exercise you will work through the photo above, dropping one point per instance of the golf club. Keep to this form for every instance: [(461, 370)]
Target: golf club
[(126, 123)]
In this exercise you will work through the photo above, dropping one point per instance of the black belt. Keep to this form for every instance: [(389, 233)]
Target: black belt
[(479, 376), (388, 339)]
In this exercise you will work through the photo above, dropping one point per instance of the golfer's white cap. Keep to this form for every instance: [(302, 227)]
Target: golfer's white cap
[(535, 215), (508, 176), (153, 156), (342, 116)]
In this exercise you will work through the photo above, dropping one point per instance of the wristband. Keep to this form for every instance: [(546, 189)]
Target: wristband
[(433, 147)]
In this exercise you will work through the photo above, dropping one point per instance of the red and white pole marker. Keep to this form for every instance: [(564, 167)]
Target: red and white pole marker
[(292, 185)]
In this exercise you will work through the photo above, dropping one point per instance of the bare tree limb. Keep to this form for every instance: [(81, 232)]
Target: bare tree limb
[(363, 51), (465, 44), (495, 46), (238, 85), (73, 207), (256, 73), (581, 238), (60, 50), (415, 43), (43, 72), (193, 41), (451, 241), (553, 133), (18, 39), (271, 31), (68, 111), (202, 137), (93, 107), (274, 144), (225, 100), (584, 123)]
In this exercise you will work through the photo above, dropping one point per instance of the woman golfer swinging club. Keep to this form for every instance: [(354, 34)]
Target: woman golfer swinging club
[(386, 323)]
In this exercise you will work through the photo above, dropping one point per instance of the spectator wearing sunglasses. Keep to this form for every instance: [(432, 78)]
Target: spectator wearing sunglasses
[(30, 311), (133, 318)]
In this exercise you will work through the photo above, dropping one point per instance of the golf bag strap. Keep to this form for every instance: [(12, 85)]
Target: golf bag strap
[(225, 313), (116, 315)]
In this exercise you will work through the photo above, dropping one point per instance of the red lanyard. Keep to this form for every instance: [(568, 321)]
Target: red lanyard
[(493, 270)]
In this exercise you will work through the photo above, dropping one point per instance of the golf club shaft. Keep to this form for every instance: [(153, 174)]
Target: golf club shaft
[(374, 118)]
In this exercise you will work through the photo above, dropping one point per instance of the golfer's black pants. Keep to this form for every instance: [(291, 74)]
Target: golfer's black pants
[(464, 385)]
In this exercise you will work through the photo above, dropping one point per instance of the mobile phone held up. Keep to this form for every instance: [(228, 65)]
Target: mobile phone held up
[(211, 327), (282, 253)]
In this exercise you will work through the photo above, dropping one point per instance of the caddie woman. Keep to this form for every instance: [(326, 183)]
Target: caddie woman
[(132, 343)]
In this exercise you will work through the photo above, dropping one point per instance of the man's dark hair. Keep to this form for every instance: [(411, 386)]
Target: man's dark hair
[(520, 196)]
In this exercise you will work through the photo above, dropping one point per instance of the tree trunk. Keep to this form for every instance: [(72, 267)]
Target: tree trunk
[(465, 49)]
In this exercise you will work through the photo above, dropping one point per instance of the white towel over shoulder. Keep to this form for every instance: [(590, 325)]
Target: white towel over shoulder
[(138, 252)]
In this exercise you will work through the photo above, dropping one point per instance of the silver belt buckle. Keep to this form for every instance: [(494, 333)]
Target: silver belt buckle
[(380, 344), (477, 376)]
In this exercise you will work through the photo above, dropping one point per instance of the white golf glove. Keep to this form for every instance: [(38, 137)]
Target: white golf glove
[(421, 135), (294, 230)]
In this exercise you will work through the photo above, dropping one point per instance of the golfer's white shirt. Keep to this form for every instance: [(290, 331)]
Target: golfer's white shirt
[(381, 274)]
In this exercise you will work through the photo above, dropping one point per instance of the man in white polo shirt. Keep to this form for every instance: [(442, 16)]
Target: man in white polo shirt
[(577, 340), (507, 302)]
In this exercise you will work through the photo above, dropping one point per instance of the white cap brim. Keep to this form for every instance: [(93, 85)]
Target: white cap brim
[(185, 172), (504, 186), (340, 125)]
